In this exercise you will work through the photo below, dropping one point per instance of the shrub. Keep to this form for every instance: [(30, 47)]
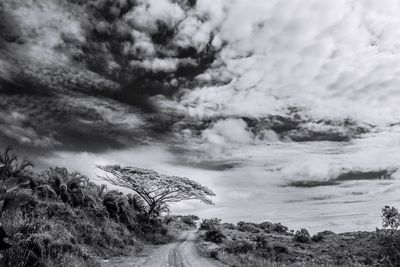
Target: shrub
[(189, 220), (280, 249), (318, 237), (390, 242), (214, 235), (262, 242), (230, 226), (273, 227), (302, 236), (279, 228), (11, 166), (214, 253), (248, 227), (208, 224), (240, 247), (390, 217)]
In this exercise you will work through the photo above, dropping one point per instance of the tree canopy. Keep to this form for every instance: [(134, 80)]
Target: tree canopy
[(154, 188)]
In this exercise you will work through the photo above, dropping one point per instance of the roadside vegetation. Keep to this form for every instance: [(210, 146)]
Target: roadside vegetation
[(272, 244), (61, 218)]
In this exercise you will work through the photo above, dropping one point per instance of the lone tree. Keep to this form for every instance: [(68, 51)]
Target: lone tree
[(154, 188)]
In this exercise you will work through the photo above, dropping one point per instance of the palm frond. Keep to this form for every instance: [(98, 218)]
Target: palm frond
[(15, 199)]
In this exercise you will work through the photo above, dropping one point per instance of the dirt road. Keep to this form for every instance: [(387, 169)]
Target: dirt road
[(182, 253)]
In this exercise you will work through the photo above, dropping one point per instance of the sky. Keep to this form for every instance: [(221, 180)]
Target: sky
[(255, 99)]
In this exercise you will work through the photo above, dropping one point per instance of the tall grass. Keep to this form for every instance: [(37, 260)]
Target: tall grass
[(68, 220)]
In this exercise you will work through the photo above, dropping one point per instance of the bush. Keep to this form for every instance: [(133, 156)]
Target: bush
[(248, 227), (214, 235), (280, 249), (279, 228), (302, 236), (240, 247), (390, 217), (208, 224), (189, 220), (230, 226), (273, 227), (262, 242), (390, 242), (318, 237), (266, 250)]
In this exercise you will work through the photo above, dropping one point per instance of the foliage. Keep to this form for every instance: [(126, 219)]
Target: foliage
[(243, 246), (390, 244), (11, 166), (302, 236), (262, 242), (214, 235), (317, 237), (189, 219), (156, 189), (273, 227), (240, 246), (229, 226), (55, 216), (13, 178), (389, 237), (72, 188), (248, 227), (390, 217), (208, 224)]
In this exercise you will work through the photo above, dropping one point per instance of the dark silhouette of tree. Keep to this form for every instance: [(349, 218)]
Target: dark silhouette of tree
[(13, 177), (154, 188), (11, 166)]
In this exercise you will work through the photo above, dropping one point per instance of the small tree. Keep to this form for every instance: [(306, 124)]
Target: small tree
[(302, 236), (208, 224), (154, 188), (390, 217)]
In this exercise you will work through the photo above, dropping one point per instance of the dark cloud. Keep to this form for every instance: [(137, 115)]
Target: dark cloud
[(79, 75)]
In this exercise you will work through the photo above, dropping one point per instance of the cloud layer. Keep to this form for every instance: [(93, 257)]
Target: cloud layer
[(333, 59)]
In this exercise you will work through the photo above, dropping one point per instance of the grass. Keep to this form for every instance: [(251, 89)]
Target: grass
[(69, 221), (267, 244)]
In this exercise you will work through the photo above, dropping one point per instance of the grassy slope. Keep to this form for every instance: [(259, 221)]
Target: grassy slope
[(53, 233), (254, 246), (58, 218)]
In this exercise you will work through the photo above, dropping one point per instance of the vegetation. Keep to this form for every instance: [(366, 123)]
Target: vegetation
[(61, 218), (208, 224), (269, 244), (389, 236), (302, 236), (156, 190), (390, 217), (189, 219)]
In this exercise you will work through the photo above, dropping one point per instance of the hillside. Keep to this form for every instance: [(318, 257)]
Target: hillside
[(61, 218), (267, 244)]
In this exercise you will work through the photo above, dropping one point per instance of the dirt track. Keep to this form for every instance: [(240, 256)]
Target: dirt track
[(181, 253)]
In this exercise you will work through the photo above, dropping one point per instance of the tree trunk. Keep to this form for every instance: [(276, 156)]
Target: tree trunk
[(152, 207)]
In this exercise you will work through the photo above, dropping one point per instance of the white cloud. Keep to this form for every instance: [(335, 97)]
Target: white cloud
[(42, 26), (145, 16), (157, 64), (225, 134), (335, 59), (143, 46)]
